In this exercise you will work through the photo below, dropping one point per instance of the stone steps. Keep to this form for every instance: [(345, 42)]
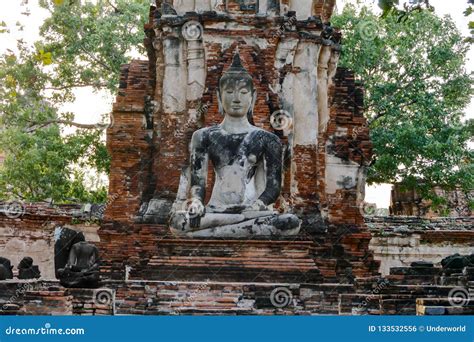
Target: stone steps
[(443, 306), (367, 297)]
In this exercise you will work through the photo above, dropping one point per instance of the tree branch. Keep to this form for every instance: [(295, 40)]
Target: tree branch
[(37, 125), (97, 60), (72, 86), (382, 114)]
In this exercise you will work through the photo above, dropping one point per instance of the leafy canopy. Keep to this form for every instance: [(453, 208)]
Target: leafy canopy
[(417, 89), (403, 10), (413, 68), (83, 44)]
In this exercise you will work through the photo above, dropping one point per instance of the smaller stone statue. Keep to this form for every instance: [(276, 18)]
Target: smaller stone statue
[(26, 269), (455, 263), (65, 238), (82, 268), (6, 269)]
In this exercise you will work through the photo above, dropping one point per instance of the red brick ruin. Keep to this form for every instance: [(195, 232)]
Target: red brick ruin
[(333, 266), (149, 145)]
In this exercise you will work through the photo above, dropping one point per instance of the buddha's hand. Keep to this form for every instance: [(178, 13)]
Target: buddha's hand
[(196, 210), (258, 205)]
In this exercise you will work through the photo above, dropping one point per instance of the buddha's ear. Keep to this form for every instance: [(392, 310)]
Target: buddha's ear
[(250, 113), (254, 98), (219, 103)]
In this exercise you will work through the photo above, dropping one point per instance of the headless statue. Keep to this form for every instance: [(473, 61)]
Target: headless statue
[(26, 269), (6, 269), (82, 268), (247, 163)]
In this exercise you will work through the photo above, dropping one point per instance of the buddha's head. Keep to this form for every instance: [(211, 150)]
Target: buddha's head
[(237, 94)]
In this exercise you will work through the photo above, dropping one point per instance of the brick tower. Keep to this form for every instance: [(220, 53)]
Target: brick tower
[(291, 52)]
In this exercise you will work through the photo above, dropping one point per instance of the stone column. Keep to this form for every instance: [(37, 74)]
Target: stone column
[(183, 6), (174, 98), (303, 8), (217, 5), (262, 7), (332, 66), (305, 94), (196, 71), (203, 5), (323, 78), (171, 152), (305, 134), (285, 56)]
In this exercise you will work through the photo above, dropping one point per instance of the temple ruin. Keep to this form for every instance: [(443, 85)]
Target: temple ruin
[(338, 262)]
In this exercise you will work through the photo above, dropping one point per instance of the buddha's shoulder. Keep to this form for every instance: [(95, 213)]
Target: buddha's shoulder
[(205, 131), (264, 134)]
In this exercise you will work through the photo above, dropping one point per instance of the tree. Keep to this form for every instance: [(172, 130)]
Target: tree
[(416, 91), (468, 12), (403, 11), (83, 44)]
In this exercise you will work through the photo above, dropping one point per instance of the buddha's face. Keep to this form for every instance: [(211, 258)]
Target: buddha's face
[(237, 97)]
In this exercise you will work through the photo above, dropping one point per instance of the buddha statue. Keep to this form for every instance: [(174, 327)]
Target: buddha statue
[(6, 269), (82, 268), (247, 163), (26, 269)]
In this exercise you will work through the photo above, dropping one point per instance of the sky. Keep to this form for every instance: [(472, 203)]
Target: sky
[(12, 11)]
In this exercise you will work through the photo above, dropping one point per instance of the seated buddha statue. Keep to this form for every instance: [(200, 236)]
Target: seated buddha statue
[(82, 268), (247, 163)]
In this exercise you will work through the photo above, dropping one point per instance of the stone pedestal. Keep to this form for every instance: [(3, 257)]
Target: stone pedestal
[(230, 260), (140, 251)]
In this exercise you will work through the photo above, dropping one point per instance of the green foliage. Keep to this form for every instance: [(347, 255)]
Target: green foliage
[(38, 165), (91, 40), (3, 27), (393, 7), (439, 204), (470, 205), (416, 91), (468, 12), (83, 44)]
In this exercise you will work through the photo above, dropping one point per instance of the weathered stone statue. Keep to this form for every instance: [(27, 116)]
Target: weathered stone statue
[(82, 268), (247, 162), (65, 238), (5, 269), (26, 269), (456, 263)]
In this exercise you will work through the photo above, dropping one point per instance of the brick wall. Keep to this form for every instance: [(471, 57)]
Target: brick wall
[(32, 234), (408, 202)]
